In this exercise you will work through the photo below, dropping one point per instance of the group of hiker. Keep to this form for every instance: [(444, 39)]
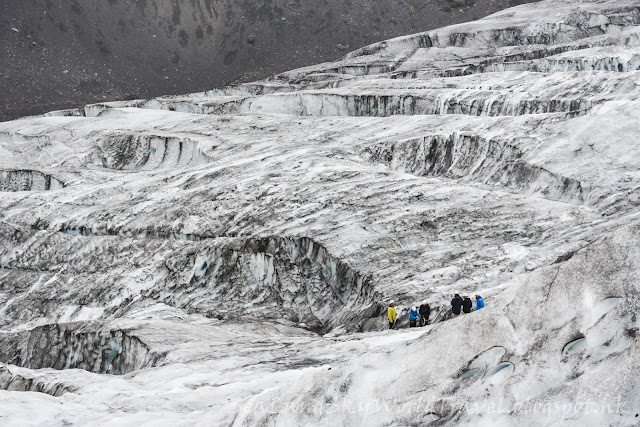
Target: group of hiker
[(464, 304), (420, 316)]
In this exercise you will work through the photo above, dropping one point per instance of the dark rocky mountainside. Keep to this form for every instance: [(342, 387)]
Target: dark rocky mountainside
[(66, 53)]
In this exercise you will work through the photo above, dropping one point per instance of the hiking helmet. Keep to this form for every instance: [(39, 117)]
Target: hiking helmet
[(413, 309)]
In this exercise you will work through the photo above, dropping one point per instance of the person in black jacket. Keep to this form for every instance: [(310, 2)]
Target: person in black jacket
[(456, 305), (466, 305), (424, 311)]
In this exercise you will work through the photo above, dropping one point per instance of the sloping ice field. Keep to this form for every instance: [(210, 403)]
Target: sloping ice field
[(227, 257)]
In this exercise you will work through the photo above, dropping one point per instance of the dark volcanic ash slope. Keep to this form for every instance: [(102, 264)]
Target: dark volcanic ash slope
[(63, 53)]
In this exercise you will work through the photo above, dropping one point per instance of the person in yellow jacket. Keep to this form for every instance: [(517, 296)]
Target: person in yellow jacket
[(391, 314)]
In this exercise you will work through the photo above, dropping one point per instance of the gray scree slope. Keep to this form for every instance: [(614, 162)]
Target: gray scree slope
[(66, 53)]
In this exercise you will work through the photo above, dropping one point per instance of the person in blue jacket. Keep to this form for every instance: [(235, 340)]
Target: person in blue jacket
[(479, 302), (413, 317)]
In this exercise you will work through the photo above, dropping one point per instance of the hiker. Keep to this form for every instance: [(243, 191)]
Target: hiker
[(424, 311), (456, 305), (479, 302), (391, 314), (466, 305), (413, 317)]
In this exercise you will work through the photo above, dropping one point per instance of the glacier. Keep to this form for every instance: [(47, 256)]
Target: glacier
[(227, 257)]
